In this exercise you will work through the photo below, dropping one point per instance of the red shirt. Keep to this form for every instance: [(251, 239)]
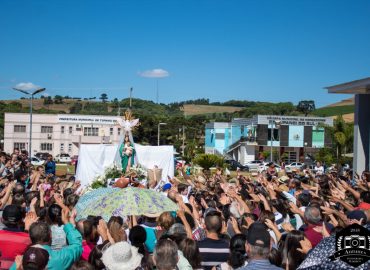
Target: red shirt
[(313, 236), (12, 244), (363, 206)]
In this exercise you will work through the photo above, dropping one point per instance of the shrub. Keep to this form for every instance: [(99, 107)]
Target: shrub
[(207, 161)]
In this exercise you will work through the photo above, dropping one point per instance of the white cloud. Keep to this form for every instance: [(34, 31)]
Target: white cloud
[(26, 86), (154, 73)]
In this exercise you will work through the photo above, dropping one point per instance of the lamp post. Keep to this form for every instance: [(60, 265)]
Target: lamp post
[(32, 94), (159, 130), (275, 123)]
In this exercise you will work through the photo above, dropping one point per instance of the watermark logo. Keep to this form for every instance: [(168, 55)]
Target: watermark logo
[(352, 245)]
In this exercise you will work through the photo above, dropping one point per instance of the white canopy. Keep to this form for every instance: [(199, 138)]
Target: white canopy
[(94, 158)]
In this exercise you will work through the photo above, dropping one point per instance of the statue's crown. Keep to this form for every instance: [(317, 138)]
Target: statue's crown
[(128, 115)]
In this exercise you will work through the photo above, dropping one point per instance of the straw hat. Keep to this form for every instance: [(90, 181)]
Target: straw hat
[(122, 256)]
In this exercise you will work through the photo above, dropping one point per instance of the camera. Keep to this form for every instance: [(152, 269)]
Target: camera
[(355, 241)]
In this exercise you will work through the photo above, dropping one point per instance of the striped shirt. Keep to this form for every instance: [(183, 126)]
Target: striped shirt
[(213, 252)]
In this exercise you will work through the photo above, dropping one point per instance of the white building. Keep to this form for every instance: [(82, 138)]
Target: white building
[(59, 133)]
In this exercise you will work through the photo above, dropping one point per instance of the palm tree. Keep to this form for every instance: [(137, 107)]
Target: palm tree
[(342, 135)]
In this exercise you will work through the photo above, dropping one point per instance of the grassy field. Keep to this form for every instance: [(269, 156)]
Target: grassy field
[(39, 104), (191, 109), (64, 169), (335, 110), (344, 102)]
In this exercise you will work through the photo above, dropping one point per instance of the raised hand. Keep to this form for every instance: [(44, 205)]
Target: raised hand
[(306, 246), (269, 224), (287, 226), (30, 218), (102, 229)]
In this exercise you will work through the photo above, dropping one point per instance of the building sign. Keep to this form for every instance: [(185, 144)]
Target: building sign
[(86, 119), (294, 120)]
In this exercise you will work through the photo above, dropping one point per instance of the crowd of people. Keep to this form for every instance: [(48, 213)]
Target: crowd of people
[(272, 220)]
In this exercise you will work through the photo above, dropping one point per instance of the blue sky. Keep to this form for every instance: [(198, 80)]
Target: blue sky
[(247, 50)]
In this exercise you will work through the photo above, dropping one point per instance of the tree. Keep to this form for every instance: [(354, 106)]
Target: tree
[(115, 103), (342, 137), (207, 161), (48, 101), (104, 97), (306, 106), (58, 99), (76, 108)]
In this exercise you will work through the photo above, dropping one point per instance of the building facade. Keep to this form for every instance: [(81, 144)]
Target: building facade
[(59, 133), (290, 136), (361, 144)]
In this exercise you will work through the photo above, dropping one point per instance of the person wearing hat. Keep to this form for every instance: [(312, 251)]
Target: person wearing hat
[(258, 247), (13, 239), (35, 257), (165, 188), (357, 216), (200, 182), (122, 256)]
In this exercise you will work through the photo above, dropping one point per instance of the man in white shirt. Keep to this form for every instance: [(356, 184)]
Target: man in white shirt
[(319, 168)]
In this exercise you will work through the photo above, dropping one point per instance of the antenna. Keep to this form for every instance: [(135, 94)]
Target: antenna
[(157, 92)]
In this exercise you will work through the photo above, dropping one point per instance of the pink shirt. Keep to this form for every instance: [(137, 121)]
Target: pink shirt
[(87, 247)]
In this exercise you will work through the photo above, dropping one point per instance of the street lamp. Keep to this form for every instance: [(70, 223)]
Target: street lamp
[(32, 94), (159, 130), (275, 123)]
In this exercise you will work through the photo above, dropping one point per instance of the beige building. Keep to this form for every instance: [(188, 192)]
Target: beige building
[(59, 133)]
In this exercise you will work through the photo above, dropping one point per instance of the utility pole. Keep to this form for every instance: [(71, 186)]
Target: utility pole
[(131, 97), (183, 140), (157, 92), (31, 94)]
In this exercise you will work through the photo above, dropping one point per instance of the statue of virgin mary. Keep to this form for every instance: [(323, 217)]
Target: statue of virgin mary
[(126, 151)]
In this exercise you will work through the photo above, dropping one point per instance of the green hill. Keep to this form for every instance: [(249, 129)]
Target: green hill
[(334, 111)]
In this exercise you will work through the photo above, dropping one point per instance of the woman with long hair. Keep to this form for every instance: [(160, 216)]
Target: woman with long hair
[(58, 236), (290, 254), (238, 256), (190, 251), (116, 229)]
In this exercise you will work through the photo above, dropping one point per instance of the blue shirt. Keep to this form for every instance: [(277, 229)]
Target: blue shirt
[(260, 265), (50, 167)]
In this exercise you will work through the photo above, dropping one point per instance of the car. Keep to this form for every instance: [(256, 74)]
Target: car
[(253, 165), (263, 167), (42, 155), (234, 165), (63, 158), (74, 159), (294, 166), (37, 161)]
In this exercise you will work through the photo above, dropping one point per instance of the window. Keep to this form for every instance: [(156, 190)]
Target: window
[(61, 147), (91, 131), (69, 147), (275, 135), (70, 130), (220, 136), (46, 147), (119, 131), (46, 129), (19, 128), (62, 129), (20, 145), (111, 131)]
